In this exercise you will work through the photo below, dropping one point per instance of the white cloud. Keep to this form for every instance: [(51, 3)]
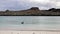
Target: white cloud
[(57, 3), (40, 1), (25, 4)]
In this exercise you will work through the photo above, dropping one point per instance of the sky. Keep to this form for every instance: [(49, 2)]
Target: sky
[(26, 4)]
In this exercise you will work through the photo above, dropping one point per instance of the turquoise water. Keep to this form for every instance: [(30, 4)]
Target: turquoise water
[(50, 22)]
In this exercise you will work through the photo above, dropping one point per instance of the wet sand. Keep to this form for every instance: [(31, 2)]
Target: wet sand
[(30, 32)]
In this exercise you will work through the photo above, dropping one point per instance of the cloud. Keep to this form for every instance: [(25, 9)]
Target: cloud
[(57, 3), (25, 4), (44, 4)]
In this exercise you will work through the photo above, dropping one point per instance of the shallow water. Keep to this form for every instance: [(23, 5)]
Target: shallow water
[(37, 22)]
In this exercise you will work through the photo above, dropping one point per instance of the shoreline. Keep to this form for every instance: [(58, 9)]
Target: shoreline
[(33, 30), (29, 32)]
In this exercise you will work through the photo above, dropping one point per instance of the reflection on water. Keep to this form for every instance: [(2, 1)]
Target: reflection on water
[(30, 21)]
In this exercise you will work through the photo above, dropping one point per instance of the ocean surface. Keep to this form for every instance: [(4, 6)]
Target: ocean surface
[(30, 22)]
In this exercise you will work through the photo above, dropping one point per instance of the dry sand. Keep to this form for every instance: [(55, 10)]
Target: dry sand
[(30, 32)]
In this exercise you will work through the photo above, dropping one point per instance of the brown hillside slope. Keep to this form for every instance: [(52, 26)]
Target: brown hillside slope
[(34, 11)]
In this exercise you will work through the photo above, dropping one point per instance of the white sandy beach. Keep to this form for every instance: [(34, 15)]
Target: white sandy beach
[(29, 32)]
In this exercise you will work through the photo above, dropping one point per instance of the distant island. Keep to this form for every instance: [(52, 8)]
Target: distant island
[(34, 11)]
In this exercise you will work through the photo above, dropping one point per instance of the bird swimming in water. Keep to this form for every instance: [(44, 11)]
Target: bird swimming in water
[(22, 22)]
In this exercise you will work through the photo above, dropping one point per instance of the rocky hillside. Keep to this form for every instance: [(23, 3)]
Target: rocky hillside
[(34, 11)]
